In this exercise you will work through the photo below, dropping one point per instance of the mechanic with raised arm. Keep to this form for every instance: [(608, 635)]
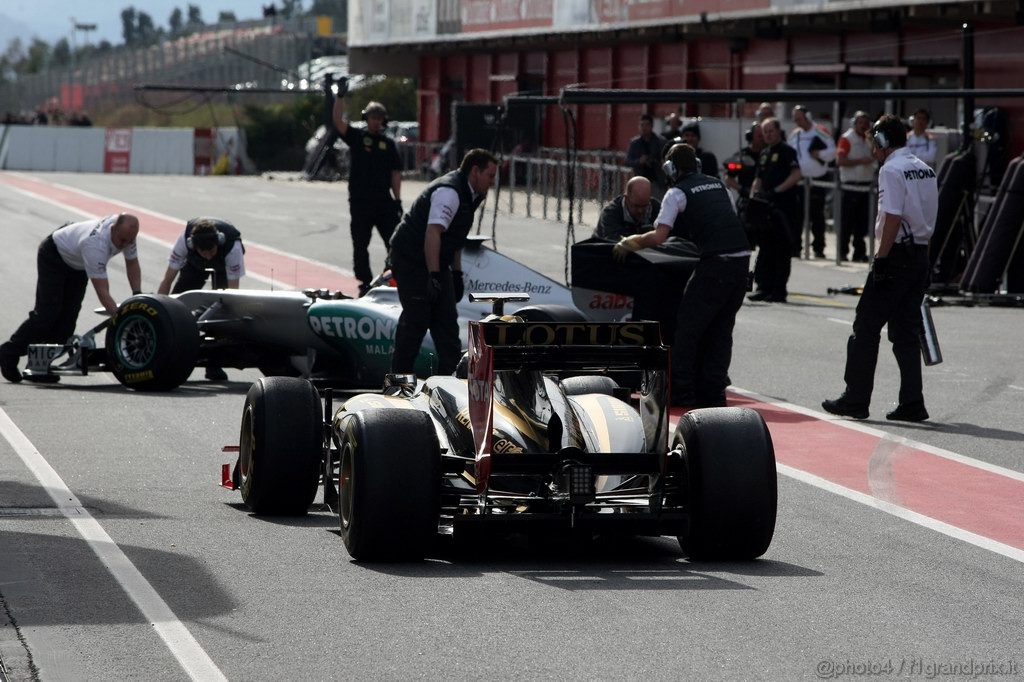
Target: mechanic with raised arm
[(629, 213), (698, 207), (66, 261), (908, 200), (206, 243), (374, 181), (426, 261)]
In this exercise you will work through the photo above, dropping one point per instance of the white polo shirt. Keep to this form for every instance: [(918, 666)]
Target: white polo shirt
[(87, 246), (801, 141), (907, 187), (444, 204), (234, 262), (855, 147)]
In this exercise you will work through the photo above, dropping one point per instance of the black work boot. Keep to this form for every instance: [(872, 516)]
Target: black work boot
[(909, 412), (9, 368), (844, 407)]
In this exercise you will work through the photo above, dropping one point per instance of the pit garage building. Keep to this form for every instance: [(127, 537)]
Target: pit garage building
[(482, 50)]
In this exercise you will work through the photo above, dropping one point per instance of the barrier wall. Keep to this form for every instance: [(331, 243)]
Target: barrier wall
[(164, 151)]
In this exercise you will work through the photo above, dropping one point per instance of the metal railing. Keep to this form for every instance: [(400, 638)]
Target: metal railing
[(838, 188)]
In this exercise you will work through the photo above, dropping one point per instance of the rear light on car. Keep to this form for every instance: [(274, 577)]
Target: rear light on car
[(579, 482)]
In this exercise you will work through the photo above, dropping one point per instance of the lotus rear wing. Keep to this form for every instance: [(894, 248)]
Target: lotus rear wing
[(579, 347)]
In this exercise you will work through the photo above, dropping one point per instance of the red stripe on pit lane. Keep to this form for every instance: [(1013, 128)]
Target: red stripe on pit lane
[(976, 500), (285, 270)]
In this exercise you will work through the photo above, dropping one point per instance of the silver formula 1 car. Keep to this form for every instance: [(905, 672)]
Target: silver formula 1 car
[(154, 342), (506, 444)]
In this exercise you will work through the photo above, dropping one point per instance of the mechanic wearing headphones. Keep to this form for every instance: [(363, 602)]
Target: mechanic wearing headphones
[(73, 255), (698, 208), (374, 181), (206, 243), (426, 260), (907, 206)]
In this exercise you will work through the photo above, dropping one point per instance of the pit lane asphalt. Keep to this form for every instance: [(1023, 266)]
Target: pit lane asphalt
[(273, 599)]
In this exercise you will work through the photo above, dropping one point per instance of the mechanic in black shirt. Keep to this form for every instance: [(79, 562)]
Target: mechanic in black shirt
[(629, 213), (774, 206), (708, 161), (374, 181), (426, 260), (702, 349), (206, 243)]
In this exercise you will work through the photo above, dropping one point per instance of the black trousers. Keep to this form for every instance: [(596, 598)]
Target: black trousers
[(60, 290), (898, 304), (854, 224), (773, 266), (418, 316), (817, 220), (703, 341), (191, 278), (366, 215)]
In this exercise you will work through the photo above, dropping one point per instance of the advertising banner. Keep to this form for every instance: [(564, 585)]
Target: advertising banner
[(117, 150)]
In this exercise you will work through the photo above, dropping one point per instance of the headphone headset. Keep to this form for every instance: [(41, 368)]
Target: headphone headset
[(203, 238), (881, 141), (669, 168), (374, 107)]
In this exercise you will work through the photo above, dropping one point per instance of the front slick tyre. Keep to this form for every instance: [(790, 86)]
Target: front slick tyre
[(153, 343), (390, 480), (733, 490), (280, 446)]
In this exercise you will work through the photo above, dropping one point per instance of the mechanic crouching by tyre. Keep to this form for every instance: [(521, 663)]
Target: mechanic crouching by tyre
[(374, 181), (206, 243), (67, 260), (908, 202), (698, 208), (426, 259)]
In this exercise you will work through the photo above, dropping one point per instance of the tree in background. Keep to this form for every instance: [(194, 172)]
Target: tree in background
[(37, 58), (397, 94), (61, 55), (146, 32), (195, 19), (128, 25), (226, 18), (175, 23)]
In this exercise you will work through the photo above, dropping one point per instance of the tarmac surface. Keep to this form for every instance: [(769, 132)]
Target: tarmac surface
[(898, 548)]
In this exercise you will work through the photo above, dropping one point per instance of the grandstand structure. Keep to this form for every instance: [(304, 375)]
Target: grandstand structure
[(198, 59), (480, 51)]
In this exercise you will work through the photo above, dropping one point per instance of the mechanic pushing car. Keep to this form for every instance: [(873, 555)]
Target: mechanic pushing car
[(206, 244), (702, 349), (426, 261), (67, 259), (374, 181)]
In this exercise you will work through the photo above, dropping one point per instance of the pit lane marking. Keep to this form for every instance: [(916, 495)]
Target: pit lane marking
[(182, 645), (964, 498)]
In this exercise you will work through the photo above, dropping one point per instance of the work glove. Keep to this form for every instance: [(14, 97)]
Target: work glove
[(882, 273), (458, 285), (626, 246), (434, 288), (342, 86)]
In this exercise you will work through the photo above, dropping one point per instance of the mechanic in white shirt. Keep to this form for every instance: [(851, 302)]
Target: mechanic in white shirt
[(908, 199), (206, 244), (856, 171), (67, 260), (426, 260), (920, 143), (814, 150)]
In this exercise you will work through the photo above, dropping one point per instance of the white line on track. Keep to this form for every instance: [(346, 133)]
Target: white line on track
[(848, 323), (887, 507), (182, 645)]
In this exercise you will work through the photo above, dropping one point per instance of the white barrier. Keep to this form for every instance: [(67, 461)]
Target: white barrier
[(166, 151)]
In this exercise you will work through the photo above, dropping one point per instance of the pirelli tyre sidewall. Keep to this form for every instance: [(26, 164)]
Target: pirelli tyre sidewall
[(153, 343)]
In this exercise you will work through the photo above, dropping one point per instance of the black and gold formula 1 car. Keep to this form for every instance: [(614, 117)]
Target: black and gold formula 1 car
[(532, 432)]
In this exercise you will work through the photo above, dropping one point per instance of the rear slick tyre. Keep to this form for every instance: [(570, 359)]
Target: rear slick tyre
[(733, 492), (280, 447), (389, 487)]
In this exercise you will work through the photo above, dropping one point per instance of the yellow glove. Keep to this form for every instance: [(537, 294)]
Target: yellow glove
[(626, 246)]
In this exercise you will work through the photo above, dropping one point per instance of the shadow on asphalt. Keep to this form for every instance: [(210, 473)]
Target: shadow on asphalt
[(18, 500), (190, 389)]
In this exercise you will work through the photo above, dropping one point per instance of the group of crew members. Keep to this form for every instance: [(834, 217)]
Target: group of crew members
[(426, 243)]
